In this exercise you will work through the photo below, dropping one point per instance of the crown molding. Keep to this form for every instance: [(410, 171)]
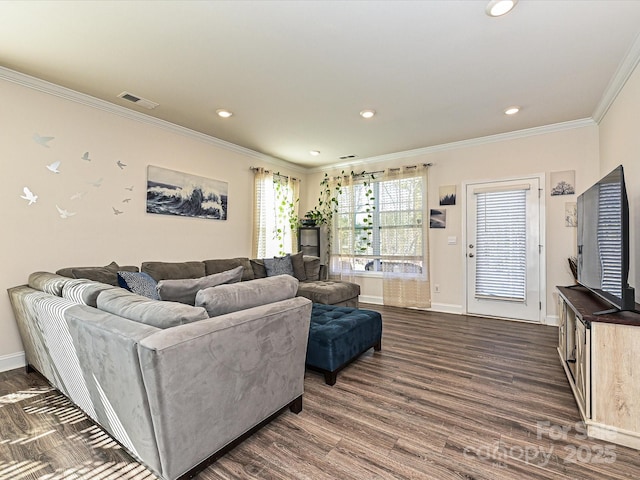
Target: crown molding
[(618, 81), (34, 83), (500, 137), (93, 102)]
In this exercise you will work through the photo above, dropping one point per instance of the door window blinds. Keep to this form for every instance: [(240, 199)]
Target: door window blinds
[(501, 244)]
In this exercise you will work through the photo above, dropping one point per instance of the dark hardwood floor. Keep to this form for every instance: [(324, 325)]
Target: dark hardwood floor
[(448, 397)]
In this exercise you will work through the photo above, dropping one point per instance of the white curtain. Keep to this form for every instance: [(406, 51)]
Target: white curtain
[(404, 217), (274, 214), (381, 226), (342, 229)]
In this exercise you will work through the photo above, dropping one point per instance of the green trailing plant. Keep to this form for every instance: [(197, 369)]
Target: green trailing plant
[(327, 201), (327, 206), (285, 213), (367, 230)]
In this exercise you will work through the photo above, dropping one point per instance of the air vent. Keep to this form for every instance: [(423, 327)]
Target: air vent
[(347, 157), (143, 102)]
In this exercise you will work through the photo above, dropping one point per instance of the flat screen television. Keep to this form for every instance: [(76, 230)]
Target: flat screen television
[(603, 241)]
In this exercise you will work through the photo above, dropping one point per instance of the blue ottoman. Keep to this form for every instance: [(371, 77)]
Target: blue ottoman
[(338, 335)]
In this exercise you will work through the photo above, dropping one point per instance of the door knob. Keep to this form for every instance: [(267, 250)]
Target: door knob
[(471, 255), (470, 245)]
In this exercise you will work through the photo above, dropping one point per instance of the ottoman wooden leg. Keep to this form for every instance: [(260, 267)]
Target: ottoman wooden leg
[(330, 378)]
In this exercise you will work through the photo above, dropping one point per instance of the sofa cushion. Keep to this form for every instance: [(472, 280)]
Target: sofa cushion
[(150, 312), (107, 274), (257, 265), (173, 270), (184, 291), (278, 266), (328, 292), (46, 282), (297, 262), (312, 267), (225, 264), (240, 296), (140, 283), (84, 292)]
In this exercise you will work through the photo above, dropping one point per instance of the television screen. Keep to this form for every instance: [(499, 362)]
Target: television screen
[(603, 240)]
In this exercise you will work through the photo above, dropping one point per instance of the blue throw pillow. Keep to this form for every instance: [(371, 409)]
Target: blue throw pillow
[(140, 283), (278, 266)]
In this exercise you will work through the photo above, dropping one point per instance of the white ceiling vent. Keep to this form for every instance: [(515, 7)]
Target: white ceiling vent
[(143, 102)]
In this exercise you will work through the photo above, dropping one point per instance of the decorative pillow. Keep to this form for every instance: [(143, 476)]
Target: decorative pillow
[(297, 262), (257, 265), (278, 266), (224, 264), (98, 274), (150, 312), (312, 267), (184, 291), (240, 296), (140, 283), (107, 274)]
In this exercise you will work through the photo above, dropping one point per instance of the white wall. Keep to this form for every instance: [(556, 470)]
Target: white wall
[(35, 238), (558, 150), (620, 144)]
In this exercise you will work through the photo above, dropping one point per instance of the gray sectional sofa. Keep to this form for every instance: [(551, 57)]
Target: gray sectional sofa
[(177, 384), (306, 269), (175, 387)]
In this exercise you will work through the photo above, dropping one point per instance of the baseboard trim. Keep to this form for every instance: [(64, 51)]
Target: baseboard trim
[(446, 308), (374, 300), (13, 361), (552, 320), (435, 307)]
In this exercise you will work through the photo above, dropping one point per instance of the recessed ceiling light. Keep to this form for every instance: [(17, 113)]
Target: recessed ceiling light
[(497, 8), (367, 113), (224, 113), (512, 110), (315, 153)]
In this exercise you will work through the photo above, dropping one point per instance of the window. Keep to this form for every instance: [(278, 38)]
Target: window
[(379, 225), (275, 211)]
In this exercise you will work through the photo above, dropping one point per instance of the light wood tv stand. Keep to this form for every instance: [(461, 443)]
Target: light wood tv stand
[(600, 355)]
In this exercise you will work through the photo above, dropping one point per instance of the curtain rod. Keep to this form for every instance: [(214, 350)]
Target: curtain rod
[(275, 173), (391, 169)]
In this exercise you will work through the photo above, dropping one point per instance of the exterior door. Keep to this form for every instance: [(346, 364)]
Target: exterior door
[(503, 249)]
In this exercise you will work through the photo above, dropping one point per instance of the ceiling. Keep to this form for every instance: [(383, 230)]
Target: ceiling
[(297, 74)]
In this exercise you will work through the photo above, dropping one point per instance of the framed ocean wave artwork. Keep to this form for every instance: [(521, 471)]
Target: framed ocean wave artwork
[(182, 194)]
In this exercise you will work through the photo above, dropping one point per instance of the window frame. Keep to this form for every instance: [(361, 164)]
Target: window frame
[(374, 253)]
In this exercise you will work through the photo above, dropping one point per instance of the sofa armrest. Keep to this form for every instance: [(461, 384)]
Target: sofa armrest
[(210, 381), (107, 350)]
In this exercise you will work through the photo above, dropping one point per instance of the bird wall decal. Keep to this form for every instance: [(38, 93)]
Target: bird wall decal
[(64, 213), (54, 167), (97, 183), (29, 195), (126, 200), (85, 156), (116, 212), (78, 195), (121, 165), (129, 188), (40, 140)]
